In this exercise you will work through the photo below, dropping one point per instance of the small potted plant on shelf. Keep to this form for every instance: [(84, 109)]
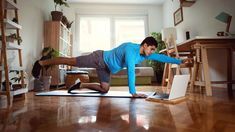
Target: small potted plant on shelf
[(158, 67), (12, 38), (17, 79), (43, 83), (57, 15)]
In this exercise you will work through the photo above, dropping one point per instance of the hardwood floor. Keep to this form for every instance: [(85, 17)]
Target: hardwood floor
[(67, 114)]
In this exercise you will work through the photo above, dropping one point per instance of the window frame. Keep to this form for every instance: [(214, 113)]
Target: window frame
[(112, 18)]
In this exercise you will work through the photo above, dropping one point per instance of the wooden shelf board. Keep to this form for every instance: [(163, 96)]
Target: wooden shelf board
[(185, 3), (11, 25), (20, 91), (19, 68), (16, 92), (11, 46), (12, 68), (9, 4)]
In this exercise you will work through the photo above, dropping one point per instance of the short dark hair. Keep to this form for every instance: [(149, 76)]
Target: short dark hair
[(150, 41)]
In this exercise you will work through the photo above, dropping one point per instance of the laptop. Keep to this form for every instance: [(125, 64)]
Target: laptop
[(178, 88)]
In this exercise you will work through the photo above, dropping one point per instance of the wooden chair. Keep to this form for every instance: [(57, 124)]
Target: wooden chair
[(170, 70)]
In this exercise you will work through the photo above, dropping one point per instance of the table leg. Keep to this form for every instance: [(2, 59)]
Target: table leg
[(205, 67), (229, 70), (195, 67), (193, 76)]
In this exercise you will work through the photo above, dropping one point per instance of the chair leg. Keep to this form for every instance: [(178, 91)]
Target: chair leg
[(170, 77), (164, 77)]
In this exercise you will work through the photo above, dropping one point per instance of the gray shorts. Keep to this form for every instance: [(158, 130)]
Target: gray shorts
[(95, 60)]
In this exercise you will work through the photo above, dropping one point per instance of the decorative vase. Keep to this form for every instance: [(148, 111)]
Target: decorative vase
[(42, 84), (46, 82)]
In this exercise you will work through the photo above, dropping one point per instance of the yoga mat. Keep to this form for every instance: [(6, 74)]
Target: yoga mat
[(113, 94)]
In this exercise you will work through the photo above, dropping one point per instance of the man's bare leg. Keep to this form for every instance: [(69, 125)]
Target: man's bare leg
[(59, 61), (55, 61), (102, 87)]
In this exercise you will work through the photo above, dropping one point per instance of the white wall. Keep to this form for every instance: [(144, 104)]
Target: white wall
[(153, 12), (200, 20)]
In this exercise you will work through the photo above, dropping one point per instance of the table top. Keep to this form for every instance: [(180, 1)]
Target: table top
[(187, 45)]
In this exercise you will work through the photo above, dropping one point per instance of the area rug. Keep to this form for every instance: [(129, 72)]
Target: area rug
[(112, 94)]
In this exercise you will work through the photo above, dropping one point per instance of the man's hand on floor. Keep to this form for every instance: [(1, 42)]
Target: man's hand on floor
[(139, 95)]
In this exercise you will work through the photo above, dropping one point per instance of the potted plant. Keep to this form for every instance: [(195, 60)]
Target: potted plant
[(15, 82), (12, 38), (17, 79), (57, 15), (158, 67), (43, 83), (48, 53)]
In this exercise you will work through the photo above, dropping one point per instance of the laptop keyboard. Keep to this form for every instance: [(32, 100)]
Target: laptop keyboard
[(161, 95)]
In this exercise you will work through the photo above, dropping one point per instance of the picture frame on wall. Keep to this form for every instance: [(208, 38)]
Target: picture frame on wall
[(178, 16)]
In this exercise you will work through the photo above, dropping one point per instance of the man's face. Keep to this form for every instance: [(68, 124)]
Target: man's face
[(148, 50)]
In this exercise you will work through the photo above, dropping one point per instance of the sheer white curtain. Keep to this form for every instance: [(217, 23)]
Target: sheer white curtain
[(94, 33), (129, 30), (107, 32)]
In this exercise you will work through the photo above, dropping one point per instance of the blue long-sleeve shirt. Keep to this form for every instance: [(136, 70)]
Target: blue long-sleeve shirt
[(127, 55)]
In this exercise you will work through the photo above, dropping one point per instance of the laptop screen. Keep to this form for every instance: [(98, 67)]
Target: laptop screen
[(179, 86)]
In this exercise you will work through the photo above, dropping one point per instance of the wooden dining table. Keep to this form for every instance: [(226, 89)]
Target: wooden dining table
[(199, 46)]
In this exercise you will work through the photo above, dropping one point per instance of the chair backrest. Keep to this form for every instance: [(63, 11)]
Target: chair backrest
[(169, 36)]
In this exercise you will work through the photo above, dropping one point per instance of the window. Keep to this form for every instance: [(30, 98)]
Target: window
[(94, 33), (105, 33), (128, 30)]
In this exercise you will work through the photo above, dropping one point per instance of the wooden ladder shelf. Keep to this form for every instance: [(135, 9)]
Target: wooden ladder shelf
[(5, 45)]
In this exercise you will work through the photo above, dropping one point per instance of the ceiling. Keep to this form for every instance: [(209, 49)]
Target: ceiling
[(155, 2)]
